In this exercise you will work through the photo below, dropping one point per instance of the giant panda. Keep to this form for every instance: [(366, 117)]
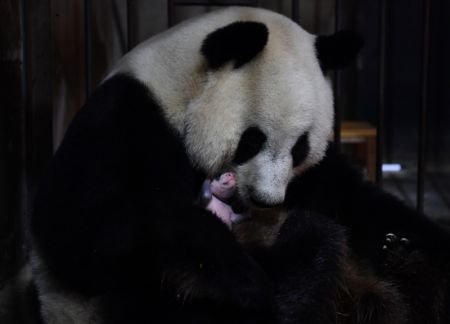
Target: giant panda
[(117, 233)]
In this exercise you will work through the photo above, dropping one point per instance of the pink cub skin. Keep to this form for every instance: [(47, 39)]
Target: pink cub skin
[(222, 189)]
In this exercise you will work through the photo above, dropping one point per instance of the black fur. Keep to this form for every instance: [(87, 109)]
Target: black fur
[(334, 188), (300, 150), (239, 42), (367, 299), (116, 217), (305, 265), (250, 143), (338, 50)]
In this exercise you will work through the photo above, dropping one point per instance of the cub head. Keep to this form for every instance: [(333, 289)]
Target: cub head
[(266, 106)]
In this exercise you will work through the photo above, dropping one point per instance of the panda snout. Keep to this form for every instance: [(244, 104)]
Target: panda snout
[(257, 201), (261, 204)]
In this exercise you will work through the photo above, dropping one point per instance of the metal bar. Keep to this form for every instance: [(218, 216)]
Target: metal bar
[(119, 27), (295, 11), (336, 83), (26, 68), (170, 12), (38, 115), (382, 63), (27, 199), (317, 16), (218, 3), (25, 56), (88, 46), (130, 25), (421, 151)]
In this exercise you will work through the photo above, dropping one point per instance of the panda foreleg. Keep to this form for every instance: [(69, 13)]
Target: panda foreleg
[(201, 259), (422, 278)]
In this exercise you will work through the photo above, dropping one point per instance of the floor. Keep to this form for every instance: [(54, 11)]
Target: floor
[(403, 184), (437, 191)]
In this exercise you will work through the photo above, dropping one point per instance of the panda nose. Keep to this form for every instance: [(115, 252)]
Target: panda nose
[(261, 204), (257, 202)]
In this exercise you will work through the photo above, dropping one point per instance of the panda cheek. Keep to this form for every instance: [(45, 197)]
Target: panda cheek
[(242, 179)]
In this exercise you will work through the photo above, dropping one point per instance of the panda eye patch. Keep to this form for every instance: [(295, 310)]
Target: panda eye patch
[(300, 150), (251, 142)]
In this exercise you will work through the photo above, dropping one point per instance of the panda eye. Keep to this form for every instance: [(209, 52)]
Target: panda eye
[(251, 142), (300, 150)]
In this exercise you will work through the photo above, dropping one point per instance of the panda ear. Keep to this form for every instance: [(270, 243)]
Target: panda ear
[(240, 42), (338, 50)]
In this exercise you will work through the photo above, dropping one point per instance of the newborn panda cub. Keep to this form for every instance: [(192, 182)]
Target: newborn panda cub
[(218, 195)]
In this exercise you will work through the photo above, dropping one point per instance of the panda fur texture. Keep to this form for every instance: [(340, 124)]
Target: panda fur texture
[(403, 253), (380, 278), (117, 235)]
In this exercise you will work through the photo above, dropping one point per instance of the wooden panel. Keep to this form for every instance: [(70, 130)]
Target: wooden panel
[(38, 123), (109, 36), (11, 138), (67, 25)]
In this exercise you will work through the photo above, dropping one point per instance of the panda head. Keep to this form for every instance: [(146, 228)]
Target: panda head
[(266, 106)]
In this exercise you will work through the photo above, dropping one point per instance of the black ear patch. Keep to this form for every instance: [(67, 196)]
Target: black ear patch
[(240, 41), (338, 50)]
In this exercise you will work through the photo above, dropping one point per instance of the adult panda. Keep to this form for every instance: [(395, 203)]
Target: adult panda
[(117, 232)]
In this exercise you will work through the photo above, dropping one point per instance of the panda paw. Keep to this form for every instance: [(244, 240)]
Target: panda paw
[(396, 251), (394, 243)]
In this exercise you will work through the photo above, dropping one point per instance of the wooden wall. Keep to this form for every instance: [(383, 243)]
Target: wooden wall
[(12, 155)]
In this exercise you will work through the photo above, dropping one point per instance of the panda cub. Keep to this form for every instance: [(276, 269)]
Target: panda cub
[(118, 234)]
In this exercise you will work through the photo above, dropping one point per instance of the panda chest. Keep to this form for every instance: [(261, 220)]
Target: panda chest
[(261, 229)]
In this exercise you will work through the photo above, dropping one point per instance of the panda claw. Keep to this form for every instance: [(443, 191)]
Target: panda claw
[(391, 237), (394, 244), (404, 241), (390, 240)]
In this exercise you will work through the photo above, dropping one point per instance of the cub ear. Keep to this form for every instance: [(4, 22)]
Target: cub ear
[(338, 50), (240, 42)]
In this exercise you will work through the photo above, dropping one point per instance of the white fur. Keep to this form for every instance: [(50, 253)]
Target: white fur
[(59, 306), (282, 91)]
